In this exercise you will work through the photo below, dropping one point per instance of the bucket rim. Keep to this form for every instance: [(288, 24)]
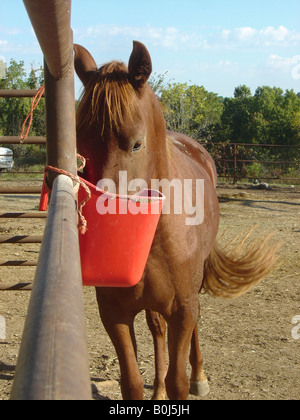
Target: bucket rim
[(144, 196)]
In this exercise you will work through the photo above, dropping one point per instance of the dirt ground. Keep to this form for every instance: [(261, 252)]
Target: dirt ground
[(249, 349)]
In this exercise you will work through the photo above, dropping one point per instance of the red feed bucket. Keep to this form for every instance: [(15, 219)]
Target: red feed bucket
[(120, 232)]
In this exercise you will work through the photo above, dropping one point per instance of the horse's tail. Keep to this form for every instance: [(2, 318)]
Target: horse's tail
[(231, 271)]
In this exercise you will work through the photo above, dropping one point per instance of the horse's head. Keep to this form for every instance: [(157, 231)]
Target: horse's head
[(120, 126)]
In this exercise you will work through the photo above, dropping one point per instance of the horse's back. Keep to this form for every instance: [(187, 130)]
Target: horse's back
[(195, 151)]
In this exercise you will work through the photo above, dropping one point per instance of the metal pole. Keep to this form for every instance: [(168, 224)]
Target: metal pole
[(60, 123), (20, 190), (51, 22), (23, 239), (17, 140), (235, 164), (53, 358), (16, 93)]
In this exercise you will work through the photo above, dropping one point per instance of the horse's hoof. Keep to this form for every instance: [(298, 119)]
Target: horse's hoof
[(199, 388), (159, 395)]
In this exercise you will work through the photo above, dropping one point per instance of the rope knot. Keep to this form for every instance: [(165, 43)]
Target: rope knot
[(82, 223)]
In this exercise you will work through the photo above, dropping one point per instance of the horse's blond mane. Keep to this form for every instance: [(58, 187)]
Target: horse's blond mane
[(107, 98)]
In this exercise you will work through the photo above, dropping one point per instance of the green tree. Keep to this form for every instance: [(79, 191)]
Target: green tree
[(157, 82), (192, 110), (271, 116), (237, 116), (13, 111), (276, 116)]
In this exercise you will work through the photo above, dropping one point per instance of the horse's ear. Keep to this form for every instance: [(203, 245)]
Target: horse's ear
[(84, 63), (140, 65)]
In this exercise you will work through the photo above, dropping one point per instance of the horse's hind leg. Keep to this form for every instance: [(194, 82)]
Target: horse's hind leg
[(157, 326), (198, 382)]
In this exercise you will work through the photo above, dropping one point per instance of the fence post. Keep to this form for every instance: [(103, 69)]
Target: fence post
[(235, 163), (60, 123), (53, 358)]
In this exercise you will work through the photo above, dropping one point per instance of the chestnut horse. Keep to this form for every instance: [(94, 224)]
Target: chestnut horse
[(120, 127)]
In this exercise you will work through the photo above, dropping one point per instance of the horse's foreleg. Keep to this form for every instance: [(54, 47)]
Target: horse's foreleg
[(198, 382), (119, 326), (157, 326), (180, 330)]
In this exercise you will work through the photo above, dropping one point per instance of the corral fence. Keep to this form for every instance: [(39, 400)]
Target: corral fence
[(19, 190), (20, 158), (53, 357), (235, 161), (242, 161)]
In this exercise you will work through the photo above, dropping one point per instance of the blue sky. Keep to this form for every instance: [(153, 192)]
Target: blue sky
[(219, 44)]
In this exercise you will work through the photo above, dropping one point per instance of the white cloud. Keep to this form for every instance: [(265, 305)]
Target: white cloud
[(169, 37), (226, 33), (246, 33), (10, 31), (289, 65), (277, 35), (228, 66), (278, 62), (265, 37), (248, 37), (190, 40)]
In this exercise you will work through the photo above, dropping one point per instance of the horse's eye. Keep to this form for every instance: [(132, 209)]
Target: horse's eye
[(137, 146)]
